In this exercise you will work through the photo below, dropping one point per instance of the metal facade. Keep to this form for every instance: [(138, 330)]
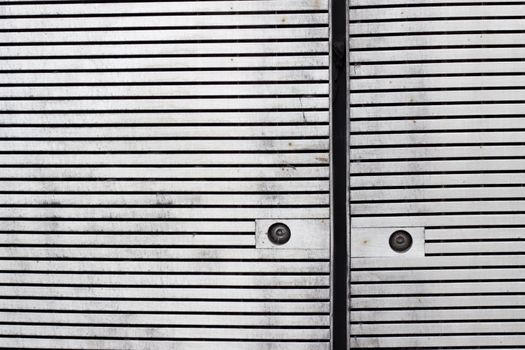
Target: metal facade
[(142, 144), (437, 149)]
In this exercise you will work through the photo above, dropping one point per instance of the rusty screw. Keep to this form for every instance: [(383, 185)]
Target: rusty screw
[(279, 233), (400, 241)]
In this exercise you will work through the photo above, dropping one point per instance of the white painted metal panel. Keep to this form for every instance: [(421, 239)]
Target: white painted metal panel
[(140, 142), (436, 122)]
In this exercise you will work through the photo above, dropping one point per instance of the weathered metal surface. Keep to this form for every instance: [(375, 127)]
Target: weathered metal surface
[(141, 142), (436, 120)]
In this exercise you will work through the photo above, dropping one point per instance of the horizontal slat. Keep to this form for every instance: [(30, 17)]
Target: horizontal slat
[(171, 320), (422, 138), (164, 131), (164, 7), (437, 302), (137, 92), (405, 12), (437, 152), (419, 315), (429, 40), (442, 193), (168, 35), (165, 145), (166, 213), (407, 208), (222, 293), (434, 180), (166, 199), (145, 267), (449, 261), (444, 125), (166, 186), (172, 63), (475, 247), (478, 233), (435, 83), (165, 49), (128, 226), (87, 344), (440, 219), (164, 159), (122, 239), (437, 96), (169, 77), (166, 20), (166, 333), (438, 166), (439, 110), (164, 253), (403, 3), (442, 288), (164, 306), (438, 275), (80, 118), (404, 68), (441, 328), (161, 172), (109, 104), (407, 56), (163, 280), (437, 25), (427, 341)]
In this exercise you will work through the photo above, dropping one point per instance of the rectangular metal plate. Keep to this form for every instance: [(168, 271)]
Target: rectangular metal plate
[(305, 234), (374, 242)]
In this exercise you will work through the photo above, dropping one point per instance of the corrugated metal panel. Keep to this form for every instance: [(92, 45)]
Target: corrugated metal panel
[(436, 133), (140, 142)]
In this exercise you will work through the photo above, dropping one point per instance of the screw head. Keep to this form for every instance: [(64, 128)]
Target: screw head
[(400, 241), (279, 233)]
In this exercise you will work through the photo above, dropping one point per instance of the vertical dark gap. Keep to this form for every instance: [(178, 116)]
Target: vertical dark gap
[(339, 173)]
